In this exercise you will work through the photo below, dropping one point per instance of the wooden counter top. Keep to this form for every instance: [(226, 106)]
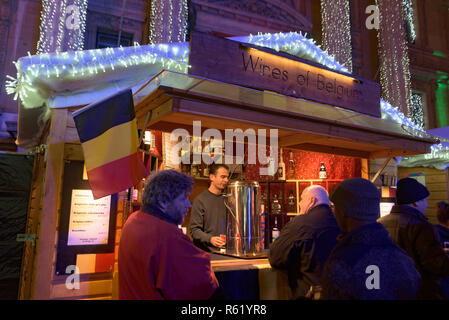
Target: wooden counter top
[(227, 263)]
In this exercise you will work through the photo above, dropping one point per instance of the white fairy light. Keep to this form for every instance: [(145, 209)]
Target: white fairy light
[(417, 109), (409, 19), (55, 34), (393, 52), (336, 30), (168, 23)]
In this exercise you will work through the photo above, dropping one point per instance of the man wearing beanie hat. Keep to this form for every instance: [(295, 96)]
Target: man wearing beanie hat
[(410, 229), (365, 263)]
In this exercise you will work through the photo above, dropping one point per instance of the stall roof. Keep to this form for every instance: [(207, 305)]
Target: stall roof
[(74, 79), (437, 158), (178, 99)]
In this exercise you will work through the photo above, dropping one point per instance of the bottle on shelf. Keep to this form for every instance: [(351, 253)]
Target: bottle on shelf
[(281, 169), (185, 166), (323, 172), (275, 205), (206, 171), (194, 170), (291, 202), (291, 166), (275, 230)]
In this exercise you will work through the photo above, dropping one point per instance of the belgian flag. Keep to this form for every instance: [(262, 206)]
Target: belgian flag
[(108, 134)]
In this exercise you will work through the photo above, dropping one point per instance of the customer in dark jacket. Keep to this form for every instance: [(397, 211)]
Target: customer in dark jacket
[(412, 231), (443, 222), (305, 242), (365, 264), (443, 232)]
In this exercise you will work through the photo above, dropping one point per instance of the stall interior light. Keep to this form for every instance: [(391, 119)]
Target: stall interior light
[(147, 137)]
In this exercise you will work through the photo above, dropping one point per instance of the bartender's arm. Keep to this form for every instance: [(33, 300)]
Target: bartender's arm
[(200, 237)]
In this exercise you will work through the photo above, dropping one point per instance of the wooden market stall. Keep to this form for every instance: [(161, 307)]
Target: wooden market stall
[(432, 170), (226, 88)]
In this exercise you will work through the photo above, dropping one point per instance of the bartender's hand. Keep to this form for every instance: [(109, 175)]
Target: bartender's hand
[(217, 242)]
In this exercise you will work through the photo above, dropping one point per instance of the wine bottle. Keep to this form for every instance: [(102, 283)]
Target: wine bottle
[(323, 172), (291, 166), (281, 168), (275, 205), (206, 171), (291, 202)]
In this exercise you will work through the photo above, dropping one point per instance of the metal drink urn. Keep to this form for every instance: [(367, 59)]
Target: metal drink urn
[(243, 236)]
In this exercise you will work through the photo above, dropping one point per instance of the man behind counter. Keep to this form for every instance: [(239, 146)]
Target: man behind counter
[(208, 216)]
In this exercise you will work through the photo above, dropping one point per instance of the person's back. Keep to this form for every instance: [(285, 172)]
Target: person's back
[(410, 229), (305, 243), (367, 265)]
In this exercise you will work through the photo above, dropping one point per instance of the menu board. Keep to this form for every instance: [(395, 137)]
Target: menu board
[(89, 219)]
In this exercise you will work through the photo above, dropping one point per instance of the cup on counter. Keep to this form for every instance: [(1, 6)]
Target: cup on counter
[(223, 237)]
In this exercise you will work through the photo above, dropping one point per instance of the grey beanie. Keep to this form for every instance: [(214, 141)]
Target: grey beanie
[(357, 198)]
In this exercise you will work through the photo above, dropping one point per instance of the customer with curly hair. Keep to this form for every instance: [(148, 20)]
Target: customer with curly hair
[(156, 260)]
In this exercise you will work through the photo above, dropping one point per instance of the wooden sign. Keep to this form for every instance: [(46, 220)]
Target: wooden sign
[(265, 69)]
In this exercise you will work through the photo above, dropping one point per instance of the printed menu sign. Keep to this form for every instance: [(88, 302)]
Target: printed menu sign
[(89, 219)]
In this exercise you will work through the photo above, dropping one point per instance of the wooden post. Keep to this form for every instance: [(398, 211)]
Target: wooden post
[(380, 170), (45, 250), (365, 168)]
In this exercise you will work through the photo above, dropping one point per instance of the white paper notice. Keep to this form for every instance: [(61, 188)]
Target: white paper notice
[(89, 219), (385, 208)]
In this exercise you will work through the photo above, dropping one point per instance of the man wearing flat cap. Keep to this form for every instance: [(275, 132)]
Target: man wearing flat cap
[(365, 264), (410, 229)]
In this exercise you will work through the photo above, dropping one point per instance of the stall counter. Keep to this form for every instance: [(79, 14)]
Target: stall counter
[(250, 279)]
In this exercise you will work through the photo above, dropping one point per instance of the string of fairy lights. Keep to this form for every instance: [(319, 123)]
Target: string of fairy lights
[(393, 53), (296, 44), (336, 30), (65, 18), (407, 6), (162, 14), (417, 109), (83, 65)]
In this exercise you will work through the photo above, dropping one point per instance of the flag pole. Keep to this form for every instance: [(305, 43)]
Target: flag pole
[(145, 126)]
